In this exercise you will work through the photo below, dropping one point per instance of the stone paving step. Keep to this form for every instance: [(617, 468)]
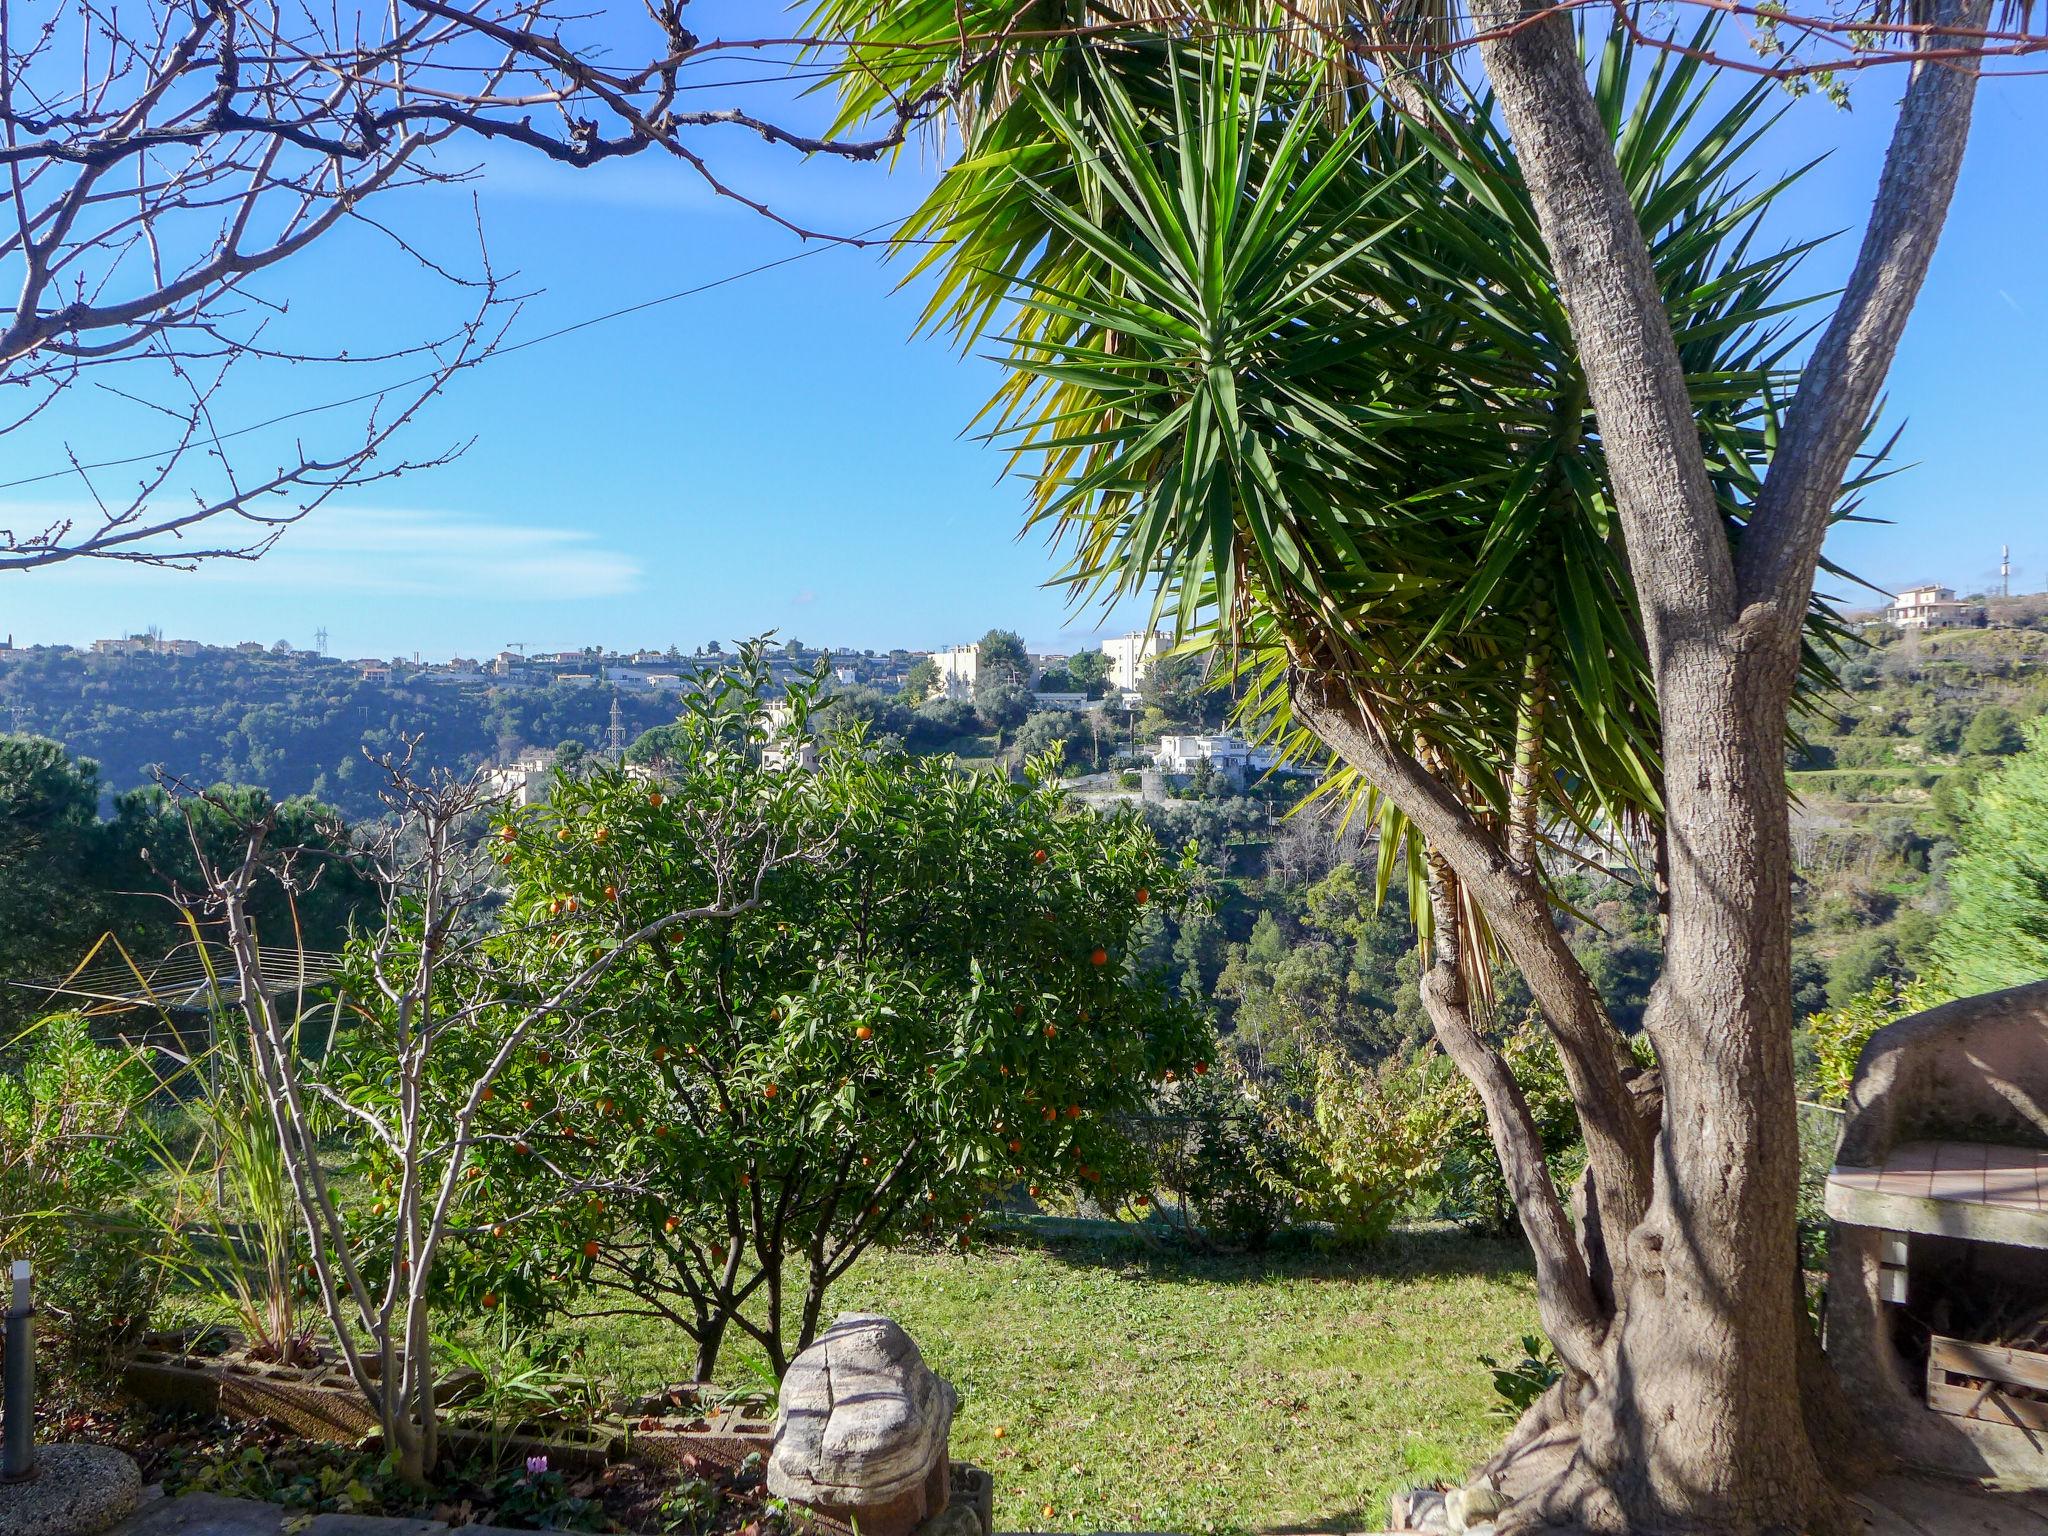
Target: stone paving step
[(210, 1514), (205, 1514)]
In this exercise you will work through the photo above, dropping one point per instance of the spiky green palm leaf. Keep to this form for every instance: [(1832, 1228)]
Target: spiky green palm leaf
[(1303, 375)]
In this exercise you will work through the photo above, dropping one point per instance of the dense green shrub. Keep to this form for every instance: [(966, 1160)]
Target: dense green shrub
[(1215, 1149), (1840, 1033), (74, 1152), (1996, 932), (928, 998)]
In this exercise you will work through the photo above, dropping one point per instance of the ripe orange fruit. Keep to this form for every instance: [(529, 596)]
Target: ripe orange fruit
[(1073, 1111), (998, 1432), (661, 1131), (1016, 1146), (498, 1230), (508, 834), (1038, 856), (672, 1223), (544, 1056), (864, 1033), (488, 1094), (655, 798), (1050, 1113), (1201, 1068), (1171, 1075), (1051, 1030), (1144, 1199), (1144, 895), (490, 1300), (611, 893), (1017, 1010), (590, 1249), (561, 834), (1099, 957), (769, 1092), (1049, 1512), (601, 835), (1034, 1191)]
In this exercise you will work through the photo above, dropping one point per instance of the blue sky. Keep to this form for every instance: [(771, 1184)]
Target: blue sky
[(782, 453)]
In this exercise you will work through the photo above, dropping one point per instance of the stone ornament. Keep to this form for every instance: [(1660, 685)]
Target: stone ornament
[(861, 1427)]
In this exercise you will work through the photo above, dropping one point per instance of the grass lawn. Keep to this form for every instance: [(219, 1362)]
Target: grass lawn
[(1158, 1391)]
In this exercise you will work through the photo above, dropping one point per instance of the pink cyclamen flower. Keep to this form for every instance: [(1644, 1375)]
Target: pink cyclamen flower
[(535, 1465)]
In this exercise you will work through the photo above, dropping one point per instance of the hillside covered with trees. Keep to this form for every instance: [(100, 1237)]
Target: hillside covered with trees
[(293, 723)]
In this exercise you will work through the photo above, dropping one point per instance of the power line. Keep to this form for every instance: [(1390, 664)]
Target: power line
[(838, 243), (420, 378)]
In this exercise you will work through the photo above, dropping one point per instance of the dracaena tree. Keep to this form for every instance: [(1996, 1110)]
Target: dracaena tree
[(936, 1008), (1467, 425)]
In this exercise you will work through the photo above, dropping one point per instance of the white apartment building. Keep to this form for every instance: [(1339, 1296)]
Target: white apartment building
[(523, 782), (1130, 657), (1933, 607), (1074, 703), (1232, 757), (785, 749), (958, 665)]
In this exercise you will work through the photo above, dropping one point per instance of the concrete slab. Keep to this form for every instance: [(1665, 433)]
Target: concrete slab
[(205, 1514), (1992, 1194), (372, 1525)]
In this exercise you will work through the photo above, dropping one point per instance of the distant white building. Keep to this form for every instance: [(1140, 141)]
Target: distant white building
[(1073, 702), (958, 666), (523, 782), (126, 645), (1130, 657), (1933, 607), (784, 750), (1232, 757)]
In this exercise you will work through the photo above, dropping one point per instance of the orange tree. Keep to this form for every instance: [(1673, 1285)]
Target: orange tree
[(933, 1005)]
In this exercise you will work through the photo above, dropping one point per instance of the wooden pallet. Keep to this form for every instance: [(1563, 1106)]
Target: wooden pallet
[(1971, 1381)]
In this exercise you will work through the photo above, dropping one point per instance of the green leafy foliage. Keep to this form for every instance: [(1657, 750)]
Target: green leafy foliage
[(1996, 932), (1520, 1382), (1304, 376), (74, 1156), (1839, 1034), (1213, 1148)]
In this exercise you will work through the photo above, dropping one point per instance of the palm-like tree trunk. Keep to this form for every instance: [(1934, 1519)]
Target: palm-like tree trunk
[(1696, 1421)]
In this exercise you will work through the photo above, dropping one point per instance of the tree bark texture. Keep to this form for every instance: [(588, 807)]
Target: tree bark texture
[(1696, 1419)]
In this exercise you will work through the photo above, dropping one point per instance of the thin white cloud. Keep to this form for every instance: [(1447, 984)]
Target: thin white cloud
[(395, 552)]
